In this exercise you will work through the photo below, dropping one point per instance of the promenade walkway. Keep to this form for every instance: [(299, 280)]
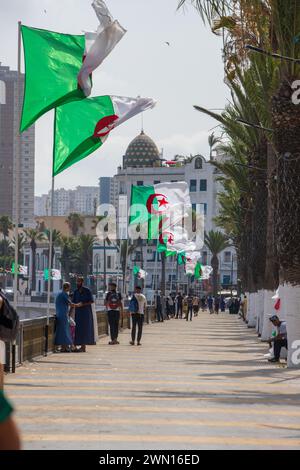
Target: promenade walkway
[(192, 385)]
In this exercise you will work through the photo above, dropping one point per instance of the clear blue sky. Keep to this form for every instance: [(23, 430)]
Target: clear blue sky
[(188, 72)]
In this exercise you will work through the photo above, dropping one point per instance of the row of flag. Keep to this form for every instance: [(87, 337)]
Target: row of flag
[(157, 213), (58, 75)]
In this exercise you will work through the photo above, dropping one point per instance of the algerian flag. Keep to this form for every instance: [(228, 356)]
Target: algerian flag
[(192, 259), (81, 127), (139, 272), (161, 206), (206, 272), (22, 270), (175, 240), (55, 275), (54, 64)]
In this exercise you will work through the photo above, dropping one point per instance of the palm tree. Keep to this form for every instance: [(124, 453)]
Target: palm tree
[(212, 142), (56, 239), (34, 236), (274, 26), (22, 240), (69, 248), (216, 242), (84, 256), (74, 222), (5, 225)]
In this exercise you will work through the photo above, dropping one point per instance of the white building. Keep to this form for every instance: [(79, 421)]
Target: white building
[(83, 200), (143, 166), (42, 205)]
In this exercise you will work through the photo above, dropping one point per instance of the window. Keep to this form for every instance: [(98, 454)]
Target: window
[(109, 264), (156, 182), (204, 258), (203, 185), (198, 163), (226, 280), (140, 183), (204, 208), (193, 186), (227, 257)]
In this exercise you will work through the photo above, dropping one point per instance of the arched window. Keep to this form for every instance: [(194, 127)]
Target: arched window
[(97, 263), (198, 163)]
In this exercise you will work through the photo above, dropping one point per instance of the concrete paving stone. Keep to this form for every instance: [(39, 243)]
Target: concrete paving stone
[(192, 385)]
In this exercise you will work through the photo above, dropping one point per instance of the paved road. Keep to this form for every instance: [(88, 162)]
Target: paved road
[(192, 385)]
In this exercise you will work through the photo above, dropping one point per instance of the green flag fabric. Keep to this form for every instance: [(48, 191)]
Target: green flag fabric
[(52, 64), (81, 127), (74, 130)]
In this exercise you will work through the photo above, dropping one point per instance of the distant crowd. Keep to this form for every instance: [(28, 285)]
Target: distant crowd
[(181, 306)]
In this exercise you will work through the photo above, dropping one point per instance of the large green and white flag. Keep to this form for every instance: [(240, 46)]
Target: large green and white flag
[(160, 207), (58, 66), (81, 127)]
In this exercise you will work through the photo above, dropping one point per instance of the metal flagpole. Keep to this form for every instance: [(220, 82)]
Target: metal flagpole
[(49, 269), (17, 185), (17, 172)]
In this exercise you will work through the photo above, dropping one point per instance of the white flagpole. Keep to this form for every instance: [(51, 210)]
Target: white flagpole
[(18, 152), (49, 267), (17, 171)]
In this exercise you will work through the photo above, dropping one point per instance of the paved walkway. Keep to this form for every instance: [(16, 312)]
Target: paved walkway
[(196, 385)]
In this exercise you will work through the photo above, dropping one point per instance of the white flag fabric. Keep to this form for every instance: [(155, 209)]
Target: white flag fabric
[(206, 272), (55, 275), (124, 109), (177, 239), (175, 198), (23, 270), (99, 45), (142, 274), (192, 259)]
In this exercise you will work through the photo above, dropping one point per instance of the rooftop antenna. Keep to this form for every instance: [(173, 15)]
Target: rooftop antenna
[(142, 119)]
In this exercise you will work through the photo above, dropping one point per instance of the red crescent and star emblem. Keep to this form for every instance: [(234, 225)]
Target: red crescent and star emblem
[(105, 126), (169, 236), (162, 201)]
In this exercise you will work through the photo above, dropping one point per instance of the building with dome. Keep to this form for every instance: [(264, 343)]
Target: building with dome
[(142, 152), (143, 165)]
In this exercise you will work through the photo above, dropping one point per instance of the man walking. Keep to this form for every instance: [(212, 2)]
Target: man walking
[(179, 304), (158, 307), (137, 315), (114, 306), (189, 301)]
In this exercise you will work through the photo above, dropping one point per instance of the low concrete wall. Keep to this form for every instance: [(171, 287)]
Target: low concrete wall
[(31, 339)]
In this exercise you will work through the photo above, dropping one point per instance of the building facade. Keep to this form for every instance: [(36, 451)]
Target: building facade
[(9, 127), (82, 200)]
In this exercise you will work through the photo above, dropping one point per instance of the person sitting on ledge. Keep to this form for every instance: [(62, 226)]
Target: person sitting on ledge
[(279, 341)]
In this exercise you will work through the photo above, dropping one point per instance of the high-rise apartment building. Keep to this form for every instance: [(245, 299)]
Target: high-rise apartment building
[(9, 126)]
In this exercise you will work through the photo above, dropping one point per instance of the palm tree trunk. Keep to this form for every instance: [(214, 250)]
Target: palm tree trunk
[(286, 125), (33, 269), (272, 268), (215, 276)]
